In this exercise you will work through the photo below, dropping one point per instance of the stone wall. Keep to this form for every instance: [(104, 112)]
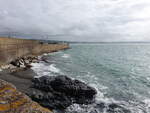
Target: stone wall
[(12, 48)]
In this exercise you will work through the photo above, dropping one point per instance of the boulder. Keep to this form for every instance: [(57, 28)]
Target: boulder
[(24, 62), (15, 63), (59, 92)]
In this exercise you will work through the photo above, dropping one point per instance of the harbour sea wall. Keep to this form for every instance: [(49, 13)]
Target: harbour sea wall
[(14, 48)]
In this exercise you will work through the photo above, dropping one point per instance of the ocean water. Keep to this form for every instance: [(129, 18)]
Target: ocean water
[(119, 72)]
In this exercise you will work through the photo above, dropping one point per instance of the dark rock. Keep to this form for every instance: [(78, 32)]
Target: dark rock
[(59, 92), (101, 106), (15, 63), (112, 108), (44, 59)]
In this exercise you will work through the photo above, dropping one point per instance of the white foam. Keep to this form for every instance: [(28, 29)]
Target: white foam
[(66, 56), (36, 65), (39, 57), (76, 108), (147, 102), (42, 69), (1, 70), (38, 68), (148, 78), (46, 73), (100, 94), (53, 68), (45, 54)]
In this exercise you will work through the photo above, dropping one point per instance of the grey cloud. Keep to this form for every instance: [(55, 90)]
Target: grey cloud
[(79, 20)]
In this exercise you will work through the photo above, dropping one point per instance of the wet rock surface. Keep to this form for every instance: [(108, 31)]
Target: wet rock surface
[(59, 92)]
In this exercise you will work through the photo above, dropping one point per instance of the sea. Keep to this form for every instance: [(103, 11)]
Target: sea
[(120, 72)]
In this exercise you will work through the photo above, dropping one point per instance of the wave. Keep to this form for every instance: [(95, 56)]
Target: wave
[(105, 104), (53, 68), (66, 56), (111, 106), (42, 69)]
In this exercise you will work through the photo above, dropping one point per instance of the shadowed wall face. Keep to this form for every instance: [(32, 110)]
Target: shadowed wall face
[(11, 49)]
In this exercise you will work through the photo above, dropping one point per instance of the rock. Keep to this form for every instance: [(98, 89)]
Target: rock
[(28, 66), (44, 59), (13, 101), (59, 92), (113, 107), (15, 63), (22, 63), (11, 66), (26, 61), (110, 108), (5, 67), (34, 60)]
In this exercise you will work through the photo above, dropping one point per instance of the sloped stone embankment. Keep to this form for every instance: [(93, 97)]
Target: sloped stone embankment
[(13, 101)]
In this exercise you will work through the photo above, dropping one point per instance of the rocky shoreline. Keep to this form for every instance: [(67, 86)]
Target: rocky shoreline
[(20, 64), (55, 92)]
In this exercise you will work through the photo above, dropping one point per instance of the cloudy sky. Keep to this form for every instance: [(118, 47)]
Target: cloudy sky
[(78, 20)]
